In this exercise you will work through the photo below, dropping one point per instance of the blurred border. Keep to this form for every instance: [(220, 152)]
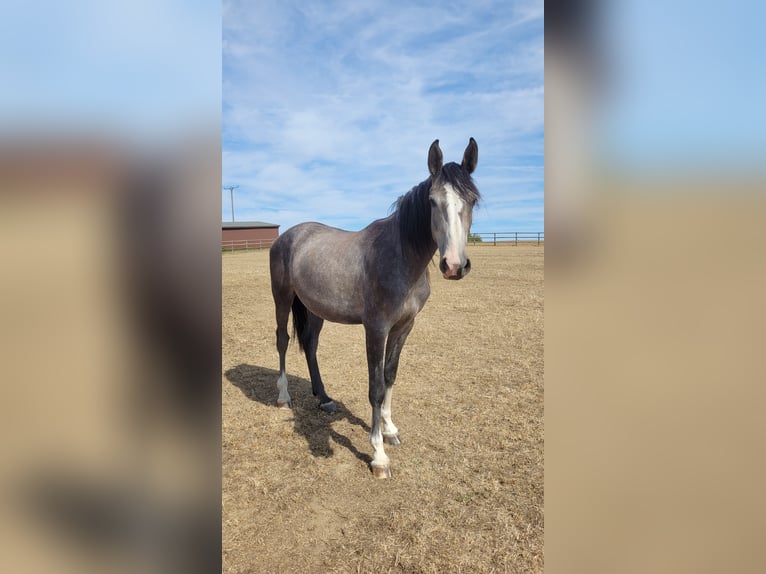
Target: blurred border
[(654, 294), (110, 162)]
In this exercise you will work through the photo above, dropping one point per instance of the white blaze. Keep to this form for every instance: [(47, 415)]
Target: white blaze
[(455, 232)]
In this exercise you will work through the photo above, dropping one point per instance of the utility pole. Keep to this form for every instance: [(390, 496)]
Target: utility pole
[(231, 189)]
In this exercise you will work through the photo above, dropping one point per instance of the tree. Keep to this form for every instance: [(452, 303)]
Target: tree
[(474, 238)]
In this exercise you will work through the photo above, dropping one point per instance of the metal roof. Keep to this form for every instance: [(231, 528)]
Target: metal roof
[(246, 224)]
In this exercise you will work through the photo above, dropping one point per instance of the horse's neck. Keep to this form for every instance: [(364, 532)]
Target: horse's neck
[(415, 258)]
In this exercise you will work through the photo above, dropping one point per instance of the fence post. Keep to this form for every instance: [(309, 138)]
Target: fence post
[(516, 244), (538, 238), (494, 239)]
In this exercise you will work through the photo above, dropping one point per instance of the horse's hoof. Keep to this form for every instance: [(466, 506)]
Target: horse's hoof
[(392, 439), (381, 471), (283, 404), (329, 407)]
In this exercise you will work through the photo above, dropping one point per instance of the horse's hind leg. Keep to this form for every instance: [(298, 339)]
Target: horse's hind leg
[(310, 341), (283, 313)]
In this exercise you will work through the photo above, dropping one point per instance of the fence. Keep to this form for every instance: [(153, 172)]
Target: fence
[(239, 244), (507, 237), (494, 238)]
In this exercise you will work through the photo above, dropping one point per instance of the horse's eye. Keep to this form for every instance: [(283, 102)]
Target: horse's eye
[(433, 201)]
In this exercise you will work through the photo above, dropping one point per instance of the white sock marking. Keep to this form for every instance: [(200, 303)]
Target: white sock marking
[(284, 396), (389, 428), (379, 458)]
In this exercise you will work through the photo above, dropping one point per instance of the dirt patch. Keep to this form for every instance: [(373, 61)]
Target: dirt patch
[(467, 487)]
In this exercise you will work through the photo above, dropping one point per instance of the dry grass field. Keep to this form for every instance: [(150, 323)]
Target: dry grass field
[(467, 487)]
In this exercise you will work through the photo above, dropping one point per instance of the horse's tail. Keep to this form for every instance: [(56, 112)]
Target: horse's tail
[(300, 317)]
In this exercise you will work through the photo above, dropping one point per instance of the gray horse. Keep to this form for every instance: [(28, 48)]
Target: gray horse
[(377, 277)]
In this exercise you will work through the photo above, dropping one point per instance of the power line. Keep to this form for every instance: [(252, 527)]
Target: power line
[(231, 189)]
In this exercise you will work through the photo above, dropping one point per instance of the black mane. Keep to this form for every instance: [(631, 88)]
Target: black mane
[(413, 213), (413, 209)]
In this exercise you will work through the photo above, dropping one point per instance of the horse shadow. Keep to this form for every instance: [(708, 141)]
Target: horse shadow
[(315, 425)]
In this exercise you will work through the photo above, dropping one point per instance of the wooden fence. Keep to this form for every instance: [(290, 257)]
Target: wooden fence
[(240, 244)]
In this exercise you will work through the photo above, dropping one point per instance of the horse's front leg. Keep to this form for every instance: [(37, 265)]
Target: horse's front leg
[(376, 340), (396, 339)]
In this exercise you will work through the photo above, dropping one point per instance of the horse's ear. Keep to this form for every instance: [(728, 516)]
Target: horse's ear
[(471, 156), (435, 159)]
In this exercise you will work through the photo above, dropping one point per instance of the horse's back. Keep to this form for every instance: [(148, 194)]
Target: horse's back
[(291, 242), (303, 232)]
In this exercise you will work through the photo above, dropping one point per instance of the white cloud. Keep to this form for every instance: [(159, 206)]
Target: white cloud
[(341, 102)]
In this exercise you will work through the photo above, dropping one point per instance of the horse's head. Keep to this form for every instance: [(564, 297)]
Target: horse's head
[(453, 196)]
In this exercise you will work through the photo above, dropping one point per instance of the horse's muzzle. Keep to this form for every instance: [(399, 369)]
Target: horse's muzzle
[(454, 271)]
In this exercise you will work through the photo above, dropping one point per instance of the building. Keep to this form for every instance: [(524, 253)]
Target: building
[(248, 234)]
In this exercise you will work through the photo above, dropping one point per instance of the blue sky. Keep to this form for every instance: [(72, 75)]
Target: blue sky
[(686, 85), (329, 107), (145, 69)]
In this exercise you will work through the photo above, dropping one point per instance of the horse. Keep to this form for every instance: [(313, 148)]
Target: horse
[(377, 277)]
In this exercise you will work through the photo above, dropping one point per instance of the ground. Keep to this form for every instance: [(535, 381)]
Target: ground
[(467, 487)]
